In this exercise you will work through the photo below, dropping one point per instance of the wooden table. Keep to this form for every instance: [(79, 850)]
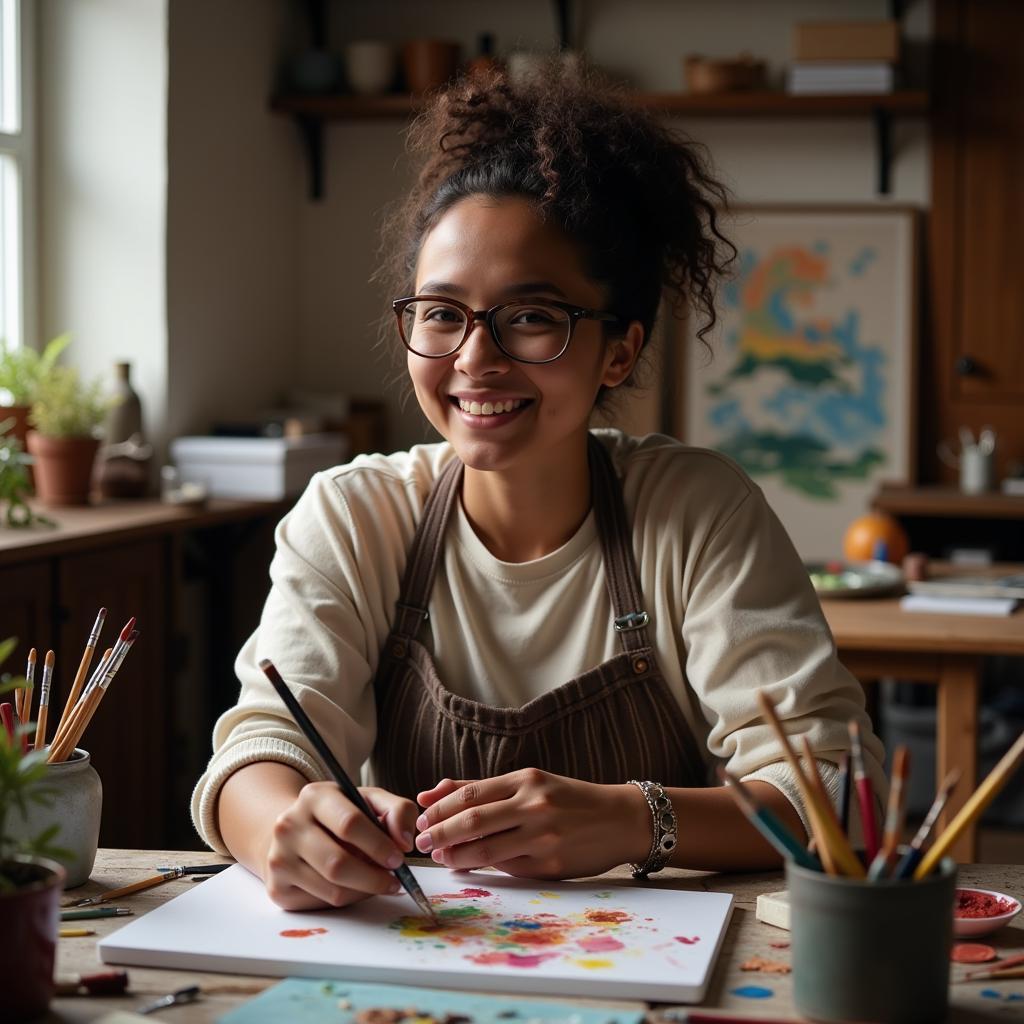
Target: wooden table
[(876, 638), (746, 938)]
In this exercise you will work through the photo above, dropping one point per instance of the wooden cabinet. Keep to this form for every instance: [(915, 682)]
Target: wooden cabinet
[(150, 737), (975, 364)]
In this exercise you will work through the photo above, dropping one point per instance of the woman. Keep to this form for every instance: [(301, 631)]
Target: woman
[(531, 628)]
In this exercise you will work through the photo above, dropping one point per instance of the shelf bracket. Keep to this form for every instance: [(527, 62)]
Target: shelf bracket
[(883, 148), (312, 132)]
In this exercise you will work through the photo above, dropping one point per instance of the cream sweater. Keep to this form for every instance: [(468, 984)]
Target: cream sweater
[(731, 606)]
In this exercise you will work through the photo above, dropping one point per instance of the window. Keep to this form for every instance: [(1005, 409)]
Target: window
[(17, 174)]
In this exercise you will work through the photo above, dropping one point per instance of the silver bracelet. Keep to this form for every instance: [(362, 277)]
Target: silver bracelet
[(663, 818)]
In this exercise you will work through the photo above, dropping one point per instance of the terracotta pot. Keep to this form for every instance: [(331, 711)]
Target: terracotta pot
[(429, 64), (63, 467), (29, 917)]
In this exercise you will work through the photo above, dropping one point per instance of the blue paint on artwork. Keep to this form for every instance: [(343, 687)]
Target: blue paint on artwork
[(753, 992), (990, 993), (1015, 997), (515, 923), (860, 263)]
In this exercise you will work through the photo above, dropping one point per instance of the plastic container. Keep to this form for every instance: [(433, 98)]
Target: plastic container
[(871, 951), (261, 468)]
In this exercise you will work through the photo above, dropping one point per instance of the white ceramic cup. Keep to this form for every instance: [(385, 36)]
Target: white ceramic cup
[(975, 469), (370, 66)]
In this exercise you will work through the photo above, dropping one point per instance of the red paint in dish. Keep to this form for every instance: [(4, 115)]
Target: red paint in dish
[(972, 903)]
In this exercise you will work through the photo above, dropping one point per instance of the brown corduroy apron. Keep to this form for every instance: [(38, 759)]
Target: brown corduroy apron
[(615, 722)]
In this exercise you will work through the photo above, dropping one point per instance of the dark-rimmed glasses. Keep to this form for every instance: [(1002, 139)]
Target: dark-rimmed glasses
[(528, 331)]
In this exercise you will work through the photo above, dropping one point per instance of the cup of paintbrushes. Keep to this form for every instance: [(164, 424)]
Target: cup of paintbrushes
[(871, 951), (77, 803)]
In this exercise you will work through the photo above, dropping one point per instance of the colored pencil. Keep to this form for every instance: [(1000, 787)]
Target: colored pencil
[(768, 824), (402, 872), (895, 812), (75, 933), (833, 847), (83, 668), (44, 700), (94, 912), (913, 856), (7, 716), (976, 803), (844, 792), (865, 793), (127, 890)]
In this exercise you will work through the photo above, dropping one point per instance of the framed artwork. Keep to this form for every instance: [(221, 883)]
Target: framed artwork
[(811, 383)]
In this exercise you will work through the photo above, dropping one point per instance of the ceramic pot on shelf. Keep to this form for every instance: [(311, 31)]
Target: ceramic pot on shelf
[(123, 467), (63, 467), (429, 64), (370, 67)]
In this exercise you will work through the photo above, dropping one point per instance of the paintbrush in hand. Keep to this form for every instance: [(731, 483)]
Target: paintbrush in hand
[(402, 872)]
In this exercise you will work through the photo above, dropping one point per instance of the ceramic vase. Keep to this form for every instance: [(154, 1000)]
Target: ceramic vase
[(124, 472), (370, 67), (63, 467), (29, 917), (77, 807), (429, 64)]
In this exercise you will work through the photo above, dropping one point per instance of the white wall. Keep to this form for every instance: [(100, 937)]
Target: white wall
[(103, 168), (151, 107)]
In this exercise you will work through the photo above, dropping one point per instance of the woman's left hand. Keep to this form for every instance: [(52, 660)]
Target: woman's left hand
[(533, 824)]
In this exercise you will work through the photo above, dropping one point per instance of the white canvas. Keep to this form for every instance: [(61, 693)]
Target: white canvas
[(510, 935)]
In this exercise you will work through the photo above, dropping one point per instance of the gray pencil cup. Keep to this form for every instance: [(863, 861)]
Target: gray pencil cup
[(871, 951), (77, 803)]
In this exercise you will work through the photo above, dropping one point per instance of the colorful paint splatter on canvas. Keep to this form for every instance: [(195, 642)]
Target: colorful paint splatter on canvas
[(472, 924)]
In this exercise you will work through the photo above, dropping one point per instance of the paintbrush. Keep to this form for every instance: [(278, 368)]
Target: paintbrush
[(894, 814), (127, 890), (402, 872), (913, 856), (865, 792)]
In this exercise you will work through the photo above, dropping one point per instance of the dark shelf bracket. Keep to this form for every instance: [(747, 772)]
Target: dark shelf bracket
[(312, 131), (883, 148)]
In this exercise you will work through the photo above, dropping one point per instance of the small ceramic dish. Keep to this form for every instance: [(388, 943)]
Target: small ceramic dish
[(972, 927)]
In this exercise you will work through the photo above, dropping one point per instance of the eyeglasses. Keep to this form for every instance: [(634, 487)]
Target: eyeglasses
[(526, 331)]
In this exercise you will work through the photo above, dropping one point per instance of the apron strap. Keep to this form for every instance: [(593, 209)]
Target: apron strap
[(617, 546), (427, 544)]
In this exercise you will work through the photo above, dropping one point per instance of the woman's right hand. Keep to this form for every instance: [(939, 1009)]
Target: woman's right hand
[(325, 852)]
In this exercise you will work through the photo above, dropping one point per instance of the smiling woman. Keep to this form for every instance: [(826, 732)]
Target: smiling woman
[(538, 639)]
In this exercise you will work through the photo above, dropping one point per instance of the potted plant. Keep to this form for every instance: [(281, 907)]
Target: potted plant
[(15, 484), (30, 883), (66, 416), (21, 370)]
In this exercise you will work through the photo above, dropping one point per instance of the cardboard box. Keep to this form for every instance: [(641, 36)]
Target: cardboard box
[(261, 468), (849, 40)]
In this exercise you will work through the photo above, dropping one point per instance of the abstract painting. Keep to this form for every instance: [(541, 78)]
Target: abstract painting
[(810, 384), (493, 933)]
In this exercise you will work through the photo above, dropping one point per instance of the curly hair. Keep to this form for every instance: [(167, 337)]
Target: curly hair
[(638, 200)]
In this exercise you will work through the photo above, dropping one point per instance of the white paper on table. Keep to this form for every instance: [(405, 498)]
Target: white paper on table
[(520, 936)]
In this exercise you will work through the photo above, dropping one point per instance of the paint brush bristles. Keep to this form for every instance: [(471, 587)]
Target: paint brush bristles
[(913, 856), (885, 859), (44, 700), (832, 845), (83, 669), (976, 803), (768, 824)]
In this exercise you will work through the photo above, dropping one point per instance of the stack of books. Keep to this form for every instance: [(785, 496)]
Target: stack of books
[(965, 595), (844, 57)]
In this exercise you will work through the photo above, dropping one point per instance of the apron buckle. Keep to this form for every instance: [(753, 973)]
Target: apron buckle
[(632, 620)]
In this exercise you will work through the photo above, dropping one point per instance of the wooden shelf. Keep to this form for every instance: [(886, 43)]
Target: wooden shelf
[(948, 503), (738, 104), (312, 112)]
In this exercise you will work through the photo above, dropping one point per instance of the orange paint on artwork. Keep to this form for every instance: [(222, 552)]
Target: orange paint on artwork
[(302, 933), (607, 917)]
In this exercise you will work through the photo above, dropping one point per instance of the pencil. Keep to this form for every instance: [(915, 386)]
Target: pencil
[(83, 668), (75, 933), (127, 890), (913, 856), (832, 845), (894, 813), (768, 824), (865, 793), (402, 872), (44, 700), (976, 803)]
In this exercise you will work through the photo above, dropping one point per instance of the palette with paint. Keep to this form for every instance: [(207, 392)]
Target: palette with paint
[(496, 934)]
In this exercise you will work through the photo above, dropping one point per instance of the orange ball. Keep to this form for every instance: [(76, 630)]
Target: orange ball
[(864, 536)]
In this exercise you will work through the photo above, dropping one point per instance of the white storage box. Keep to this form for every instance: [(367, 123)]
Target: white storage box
[(263, 468)]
